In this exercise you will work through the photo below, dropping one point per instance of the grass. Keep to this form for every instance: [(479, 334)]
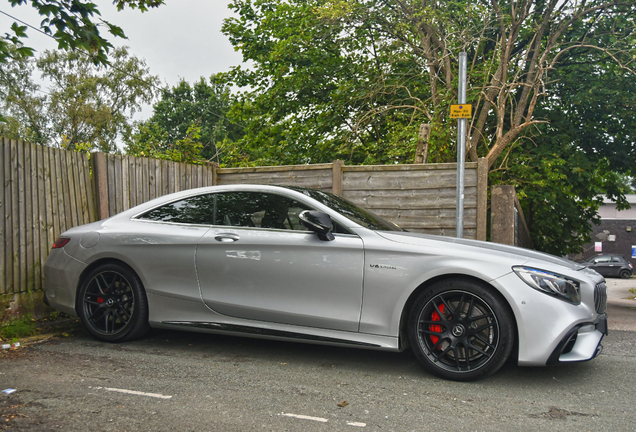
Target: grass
[(57, 324), (19, 328)]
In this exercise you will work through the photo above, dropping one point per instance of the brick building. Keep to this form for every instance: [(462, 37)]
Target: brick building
[(616, 234)]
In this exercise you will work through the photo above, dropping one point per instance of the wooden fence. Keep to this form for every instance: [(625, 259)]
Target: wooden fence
[(122, 182), (47, 191), (419, 198)]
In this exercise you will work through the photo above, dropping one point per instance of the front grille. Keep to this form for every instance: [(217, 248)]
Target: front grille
[(600, 297)]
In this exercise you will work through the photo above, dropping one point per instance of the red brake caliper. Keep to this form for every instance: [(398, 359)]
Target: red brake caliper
[(436, 328)]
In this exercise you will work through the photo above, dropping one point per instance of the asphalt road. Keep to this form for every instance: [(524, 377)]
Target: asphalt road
[(194, 382)]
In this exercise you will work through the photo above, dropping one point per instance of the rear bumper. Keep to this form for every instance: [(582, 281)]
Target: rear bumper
[(61, 277)]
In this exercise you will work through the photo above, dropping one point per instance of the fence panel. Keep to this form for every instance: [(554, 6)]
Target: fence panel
[(319, 176), (123, 182), (419, 198), (44, 192)]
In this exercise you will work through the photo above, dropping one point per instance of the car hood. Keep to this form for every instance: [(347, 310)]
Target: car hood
[(521, 254)]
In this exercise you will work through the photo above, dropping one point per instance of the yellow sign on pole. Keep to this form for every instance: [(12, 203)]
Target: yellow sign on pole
[(461, 111)]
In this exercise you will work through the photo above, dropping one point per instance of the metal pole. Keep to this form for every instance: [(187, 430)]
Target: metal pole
[(461, 148)]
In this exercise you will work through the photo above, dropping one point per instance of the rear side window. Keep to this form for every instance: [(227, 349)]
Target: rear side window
[(193, 210)]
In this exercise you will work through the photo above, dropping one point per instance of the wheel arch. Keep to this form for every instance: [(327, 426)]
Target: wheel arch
[(92, 266), (403, 335)]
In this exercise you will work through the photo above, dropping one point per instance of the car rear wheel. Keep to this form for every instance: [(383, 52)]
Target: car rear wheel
[(112, 304), (625, 274), (461, 329)]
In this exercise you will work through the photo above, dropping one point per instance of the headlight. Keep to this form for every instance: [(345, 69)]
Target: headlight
[(550, 283)]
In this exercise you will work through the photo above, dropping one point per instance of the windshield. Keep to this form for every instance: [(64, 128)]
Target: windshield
[(349, 210)]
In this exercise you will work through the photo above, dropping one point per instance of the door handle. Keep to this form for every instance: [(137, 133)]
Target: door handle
[(226, 237)]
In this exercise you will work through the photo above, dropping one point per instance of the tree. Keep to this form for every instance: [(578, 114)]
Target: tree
[(182, 110), (86, 103), (73, 24), (354, 79), (22, 106), (337, 75)]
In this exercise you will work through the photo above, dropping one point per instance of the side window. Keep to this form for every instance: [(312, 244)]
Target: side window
[(193, 210), (617, 259), (602, 259), (259, 210)]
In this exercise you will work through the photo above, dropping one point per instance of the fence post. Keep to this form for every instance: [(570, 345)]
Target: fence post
[(215, 167), (482, 198), (502, 215), (100, 181), (336, 186)]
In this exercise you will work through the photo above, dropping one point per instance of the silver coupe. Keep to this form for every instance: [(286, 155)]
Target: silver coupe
[(304, 265)]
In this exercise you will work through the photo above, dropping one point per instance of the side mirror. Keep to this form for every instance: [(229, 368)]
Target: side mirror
[(318, 222)]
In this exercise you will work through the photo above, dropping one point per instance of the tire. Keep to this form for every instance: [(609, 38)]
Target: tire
[(112, 304), (463, 346), (625, 274)]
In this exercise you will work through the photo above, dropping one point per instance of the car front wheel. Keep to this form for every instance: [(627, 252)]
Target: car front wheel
[(112, 304), (461, 329)]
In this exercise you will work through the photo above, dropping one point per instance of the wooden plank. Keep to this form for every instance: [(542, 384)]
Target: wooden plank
[(67, 198), (20, 262), (452, 167), (144, 183), (119, 186), (112, 185), (132, 179), (50, 194), (482, 199), (158, 181), (83, 188), (17, 212), (171, 177), (268, 169), (125, 184), (164, 178), (396, 180), (182, 176), (152, 179), (6, 276), (28, 210), (90, 190), (138, 181), (43, 248), (74, 186)]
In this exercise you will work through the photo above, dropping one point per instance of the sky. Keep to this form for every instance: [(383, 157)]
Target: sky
[(180, 39)]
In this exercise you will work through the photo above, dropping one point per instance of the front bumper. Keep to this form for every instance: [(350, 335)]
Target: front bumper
[(581, 343), (551, 330)]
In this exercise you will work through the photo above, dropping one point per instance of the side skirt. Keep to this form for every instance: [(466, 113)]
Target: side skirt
[(257, 331)]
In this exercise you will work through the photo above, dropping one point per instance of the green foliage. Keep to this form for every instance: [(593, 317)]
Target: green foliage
[(85, 103), (191, 117), (354, 79), (18, 328), (151, 142), (75, 25)]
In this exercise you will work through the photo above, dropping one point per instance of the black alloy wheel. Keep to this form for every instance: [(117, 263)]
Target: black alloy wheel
[(625, 274), (112, 304), (461, 330)]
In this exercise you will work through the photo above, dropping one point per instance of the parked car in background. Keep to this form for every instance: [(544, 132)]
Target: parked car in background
[(610, 265), (305, 265)]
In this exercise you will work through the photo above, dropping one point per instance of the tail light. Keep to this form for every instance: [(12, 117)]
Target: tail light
[(61, 242)]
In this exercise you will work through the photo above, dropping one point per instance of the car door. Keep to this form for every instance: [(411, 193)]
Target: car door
[(259, 263), (602, 264)]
